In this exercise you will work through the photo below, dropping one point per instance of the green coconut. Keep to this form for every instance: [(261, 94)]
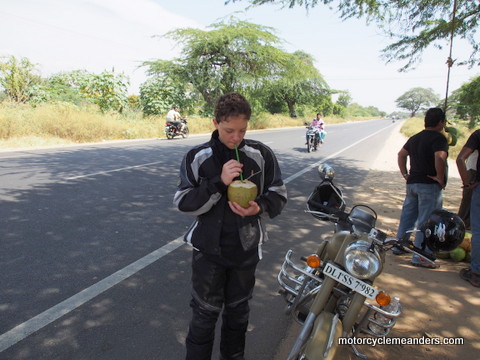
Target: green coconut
[(451, 139), (458, 254), (451, 130), (241, 192)]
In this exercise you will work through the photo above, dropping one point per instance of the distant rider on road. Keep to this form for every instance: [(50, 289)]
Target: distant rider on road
[(175, 118), (318, 124)]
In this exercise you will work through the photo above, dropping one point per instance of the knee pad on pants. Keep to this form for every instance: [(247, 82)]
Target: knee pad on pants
[(202, 325)]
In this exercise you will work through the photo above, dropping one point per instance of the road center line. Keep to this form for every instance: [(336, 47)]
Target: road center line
[(110, 171), (27, 328), (36, 323), (315, 165)]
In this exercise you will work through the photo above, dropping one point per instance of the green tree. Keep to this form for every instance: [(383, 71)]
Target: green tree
[(108, 90), (344, 99), (466, 101), (324, 104), (339, 110), (159, 94), (232, 56), (18, 77), (417, 99), (416, 25), (134, 102), (297, 82), (66, 87)]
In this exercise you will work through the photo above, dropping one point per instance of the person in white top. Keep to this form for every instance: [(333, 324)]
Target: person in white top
[(174, 117), (464, 209)]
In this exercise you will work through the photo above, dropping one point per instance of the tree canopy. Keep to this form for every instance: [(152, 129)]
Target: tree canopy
[(221, 60), (415, 25), (417, 99), (238, 56), (17, 77), (297, 82), (466, 102)]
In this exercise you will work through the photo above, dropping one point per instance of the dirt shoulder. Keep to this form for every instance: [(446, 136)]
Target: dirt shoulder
[(436, 303)]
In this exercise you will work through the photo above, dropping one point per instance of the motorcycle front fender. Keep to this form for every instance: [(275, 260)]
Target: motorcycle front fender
[(323, 342)]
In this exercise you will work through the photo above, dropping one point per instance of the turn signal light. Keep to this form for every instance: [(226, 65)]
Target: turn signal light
[(383, 299), (313, 261)]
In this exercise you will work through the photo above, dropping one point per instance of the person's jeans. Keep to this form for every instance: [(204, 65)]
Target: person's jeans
[(475, 225), (420, 201), (464, 209), (322, 134)]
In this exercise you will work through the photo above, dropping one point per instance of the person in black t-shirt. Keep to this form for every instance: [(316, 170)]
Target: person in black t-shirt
[(427, 152)]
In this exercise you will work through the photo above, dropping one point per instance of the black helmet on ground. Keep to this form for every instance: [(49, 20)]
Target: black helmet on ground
[(443, 231)]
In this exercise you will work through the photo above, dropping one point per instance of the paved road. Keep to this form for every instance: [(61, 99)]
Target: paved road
[(92, 262)]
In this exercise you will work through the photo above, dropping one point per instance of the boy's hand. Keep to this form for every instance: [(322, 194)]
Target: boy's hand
[(253, 209), (230, 170)]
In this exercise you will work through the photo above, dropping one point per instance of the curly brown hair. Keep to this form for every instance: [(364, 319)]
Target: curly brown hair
[(232, 104)]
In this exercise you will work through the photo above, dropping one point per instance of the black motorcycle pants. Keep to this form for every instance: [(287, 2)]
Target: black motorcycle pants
[(220, 284)]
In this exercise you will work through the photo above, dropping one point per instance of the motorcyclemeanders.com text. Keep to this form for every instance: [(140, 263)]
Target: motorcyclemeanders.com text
[(373, 341)]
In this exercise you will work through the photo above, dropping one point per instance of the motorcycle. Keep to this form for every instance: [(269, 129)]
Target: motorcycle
[(332, 293), (171, 130), (312, 138)]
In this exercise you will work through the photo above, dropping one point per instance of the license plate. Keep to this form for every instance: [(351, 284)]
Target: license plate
[(349, 281)]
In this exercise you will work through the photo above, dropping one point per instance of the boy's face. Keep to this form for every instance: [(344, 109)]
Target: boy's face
[(231, 130)]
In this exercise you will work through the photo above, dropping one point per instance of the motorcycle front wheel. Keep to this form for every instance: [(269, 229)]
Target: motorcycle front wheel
[(185, 132), (310, 144)]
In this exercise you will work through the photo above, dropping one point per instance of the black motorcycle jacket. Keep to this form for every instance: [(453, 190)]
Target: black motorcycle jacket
[(202, 193)]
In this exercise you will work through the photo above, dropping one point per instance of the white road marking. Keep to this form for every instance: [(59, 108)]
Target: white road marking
[(308, 168), (43, 319), (110, 171), (27, 328)]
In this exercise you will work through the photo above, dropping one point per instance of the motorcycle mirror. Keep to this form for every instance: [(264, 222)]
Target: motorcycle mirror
[(326, 171)]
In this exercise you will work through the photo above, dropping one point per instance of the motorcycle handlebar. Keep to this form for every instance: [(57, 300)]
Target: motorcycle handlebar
[(378, 236), (407, 245)]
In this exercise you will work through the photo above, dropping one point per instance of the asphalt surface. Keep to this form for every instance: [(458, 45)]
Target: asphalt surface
[(92, 262)]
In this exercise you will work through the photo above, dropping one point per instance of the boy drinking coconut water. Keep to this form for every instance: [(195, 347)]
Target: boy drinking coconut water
[(226, 236)]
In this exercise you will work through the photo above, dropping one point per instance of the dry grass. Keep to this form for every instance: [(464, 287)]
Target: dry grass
[(57, 124), (23, 125)]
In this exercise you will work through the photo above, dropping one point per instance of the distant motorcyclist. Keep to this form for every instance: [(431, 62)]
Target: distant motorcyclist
[(318, 123), (175, 118)]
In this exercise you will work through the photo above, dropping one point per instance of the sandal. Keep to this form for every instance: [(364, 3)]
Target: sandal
[(425, 265), (471, 277)]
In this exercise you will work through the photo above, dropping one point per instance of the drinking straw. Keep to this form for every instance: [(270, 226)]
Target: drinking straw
[(238, 159)]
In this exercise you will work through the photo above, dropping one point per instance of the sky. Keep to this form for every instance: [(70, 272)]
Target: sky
[(98, 35)]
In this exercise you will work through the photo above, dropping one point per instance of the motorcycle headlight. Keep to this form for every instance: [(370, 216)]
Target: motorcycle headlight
[(360, 262)]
